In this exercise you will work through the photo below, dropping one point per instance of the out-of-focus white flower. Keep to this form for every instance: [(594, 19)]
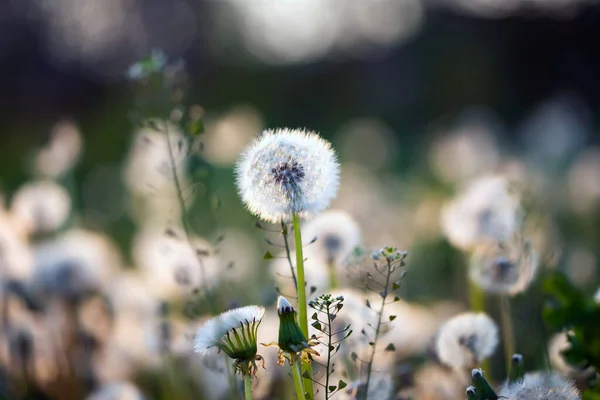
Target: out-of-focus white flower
[(234, 332), (227, 135), (581, 266), (171, 266), (337, 233), (381, 386), (42, 206), (597, 296), (583, 182), (487, 209), (434, 382), (466, 340), (499, 267), (116, 391), (75, 263), (556, 346), (541, 385), (287, 171), (148, 169), (16, 257), (470, 148), (62, 151)]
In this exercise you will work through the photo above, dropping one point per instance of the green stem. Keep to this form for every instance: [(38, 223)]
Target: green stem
[(298, 380), (507, 329), (333, 282), (302, 304), (477, 304), (248, 386)]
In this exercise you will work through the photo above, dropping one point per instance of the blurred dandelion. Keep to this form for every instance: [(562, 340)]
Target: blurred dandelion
[(41, 206), (285, 172), (541, 385), (487, 209), (466, 339), (62, 152), (117, 391), (503, 267)]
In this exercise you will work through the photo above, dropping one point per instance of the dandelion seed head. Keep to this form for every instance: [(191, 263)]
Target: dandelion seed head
[(541, 386), (337, 233), (487, 209), (41, 206), (287, 171), (505, 268), (210, 335), (466, 339), (116, 391)]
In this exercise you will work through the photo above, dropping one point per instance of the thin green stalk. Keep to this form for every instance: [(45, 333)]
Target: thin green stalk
[(248, 386), (377, 329), (302, 304), (507, 329), (477, 304), (329, 355), (333, 281), (184, 223), (298, 380)]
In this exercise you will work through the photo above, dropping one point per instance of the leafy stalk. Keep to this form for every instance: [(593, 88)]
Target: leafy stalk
[(386, 262), (329, 306)]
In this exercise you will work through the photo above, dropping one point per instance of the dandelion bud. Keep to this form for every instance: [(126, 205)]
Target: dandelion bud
[(291, 339), (517, 368), (471, 394), (482, 387)]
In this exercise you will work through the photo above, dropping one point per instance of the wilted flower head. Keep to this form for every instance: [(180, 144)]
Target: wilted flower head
[(337, 233), (503, 267), (287, 171), (233, 332), (541, 386), (466, 339), (488, 209), (291, 341), (42, 206)]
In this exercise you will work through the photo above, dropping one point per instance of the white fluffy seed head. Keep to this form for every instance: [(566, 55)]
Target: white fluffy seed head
[(287, 171), (211, 333), (487, 209), (466, 339), (541, 386), (337, 233), (42, 206)]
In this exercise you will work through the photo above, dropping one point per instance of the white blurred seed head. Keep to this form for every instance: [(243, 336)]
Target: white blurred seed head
[(16, 257), (287, 171), (466, 340), (337, 233), (597, 296), (503, 267), (583, 183), (541, 385), (62, 152), (41, 206), (75, 262), (116, 391), (487, 209), (171, 267)]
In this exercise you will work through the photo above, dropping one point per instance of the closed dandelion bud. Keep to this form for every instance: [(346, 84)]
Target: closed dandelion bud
[(517, 368), (482, 387), (291, 341), (471, 393)]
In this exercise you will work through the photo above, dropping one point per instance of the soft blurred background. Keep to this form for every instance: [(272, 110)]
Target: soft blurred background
[(420, 99)]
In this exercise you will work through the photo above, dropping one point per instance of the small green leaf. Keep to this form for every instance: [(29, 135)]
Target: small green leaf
[(268, 256), (331, 388), (392, 317), (390, 347), (396, 298), (342, 384), (395, 285), (306, 375), (368, 304), (317, 325), (314, 316)]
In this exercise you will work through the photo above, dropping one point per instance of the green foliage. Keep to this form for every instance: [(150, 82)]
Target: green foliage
[(570, 310)]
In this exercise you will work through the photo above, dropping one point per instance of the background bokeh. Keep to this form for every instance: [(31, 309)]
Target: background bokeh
[(418, 97)]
